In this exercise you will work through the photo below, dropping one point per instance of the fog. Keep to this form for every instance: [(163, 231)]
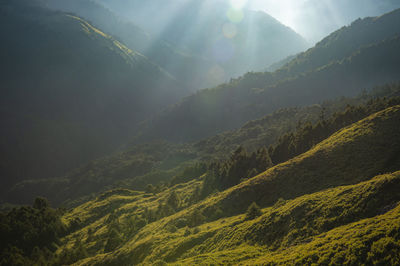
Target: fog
[(314, 19)]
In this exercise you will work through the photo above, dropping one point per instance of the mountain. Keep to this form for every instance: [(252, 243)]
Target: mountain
[(299, 166), (362, 55), (189, 69), (322, 17), (307, 199), (343, 42), (69, 92), (286, 133), (301, 211), (235, 41)]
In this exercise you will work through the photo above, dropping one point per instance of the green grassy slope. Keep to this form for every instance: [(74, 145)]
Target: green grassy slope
[(295, 230), (353, 154), (346, 225), (332, 193)]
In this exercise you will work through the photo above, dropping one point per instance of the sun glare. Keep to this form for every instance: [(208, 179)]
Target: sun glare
[(238, 4)]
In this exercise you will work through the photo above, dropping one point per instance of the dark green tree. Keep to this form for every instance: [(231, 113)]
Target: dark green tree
[(253, 211), (41, 203), (113, 241), (196, 218), (173, 200)]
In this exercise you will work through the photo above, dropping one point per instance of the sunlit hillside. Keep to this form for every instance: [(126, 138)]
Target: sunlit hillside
[(212, 132), (226, 33)]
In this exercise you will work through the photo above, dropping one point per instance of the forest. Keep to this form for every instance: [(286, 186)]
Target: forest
[(214, 135)]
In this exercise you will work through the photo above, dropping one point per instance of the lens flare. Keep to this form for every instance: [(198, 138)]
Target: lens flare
[(235, 15), (216, 74), (229, 30)]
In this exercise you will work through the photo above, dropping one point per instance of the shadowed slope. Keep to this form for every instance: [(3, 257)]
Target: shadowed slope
[(69, 92)]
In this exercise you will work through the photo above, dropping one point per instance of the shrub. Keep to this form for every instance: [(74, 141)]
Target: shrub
[(253, 212)]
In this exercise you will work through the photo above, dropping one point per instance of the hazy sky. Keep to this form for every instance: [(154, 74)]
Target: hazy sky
[(314, 19)]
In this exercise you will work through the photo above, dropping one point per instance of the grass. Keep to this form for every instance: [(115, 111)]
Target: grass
[(328, 205), (293, 231)]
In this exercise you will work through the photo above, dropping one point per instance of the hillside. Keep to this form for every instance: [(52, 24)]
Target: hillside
[(234, 41), (174, 60), (312, 206), (69, 93), (299, 166), (378, 130), (286, 133), (340, 65), (227, 106), (343, 42)]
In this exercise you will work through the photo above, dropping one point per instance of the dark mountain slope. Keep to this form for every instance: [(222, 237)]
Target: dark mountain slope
[(69, 92), (343, 42), (228, 106), (191, 70), (160, 163)]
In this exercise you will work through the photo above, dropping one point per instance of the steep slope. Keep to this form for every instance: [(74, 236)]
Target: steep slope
[(191, 70), (287, 133), (69, 92), (317, 228), (326, 194), (371, 61), (236, 41), (353, 154), (343, 42)]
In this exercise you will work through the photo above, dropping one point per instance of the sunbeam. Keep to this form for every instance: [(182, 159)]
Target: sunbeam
[(238, 4)]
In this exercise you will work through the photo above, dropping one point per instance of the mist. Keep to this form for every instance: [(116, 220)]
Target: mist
[(314, 19)]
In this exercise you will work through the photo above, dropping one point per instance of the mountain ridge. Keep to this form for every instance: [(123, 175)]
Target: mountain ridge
[(211, 111), (80, 86)]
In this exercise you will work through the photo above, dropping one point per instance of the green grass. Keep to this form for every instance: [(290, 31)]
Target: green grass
[(291, 231), (324, 206)]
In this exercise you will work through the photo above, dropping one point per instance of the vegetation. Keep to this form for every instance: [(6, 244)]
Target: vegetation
[(30, 234), (337, 66), (163, 164), (305, 185), (240, 166), (308, 219), (308, 135), (79, 96), (253, 211)]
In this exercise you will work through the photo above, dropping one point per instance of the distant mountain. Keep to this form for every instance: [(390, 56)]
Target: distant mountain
[(345, 41), (363, 55), (191, 70), (235, 41), (69, 92)]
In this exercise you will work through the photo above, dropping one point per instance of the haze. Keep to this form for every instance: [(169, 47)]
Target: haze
[(314, 19)]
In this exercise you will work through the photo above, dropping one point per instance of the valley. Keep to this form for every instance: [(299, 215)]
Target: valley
[(118, 146)]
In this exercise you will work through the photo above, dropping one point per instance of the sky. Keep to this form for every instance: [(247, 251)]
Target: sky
[(315, 19)]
